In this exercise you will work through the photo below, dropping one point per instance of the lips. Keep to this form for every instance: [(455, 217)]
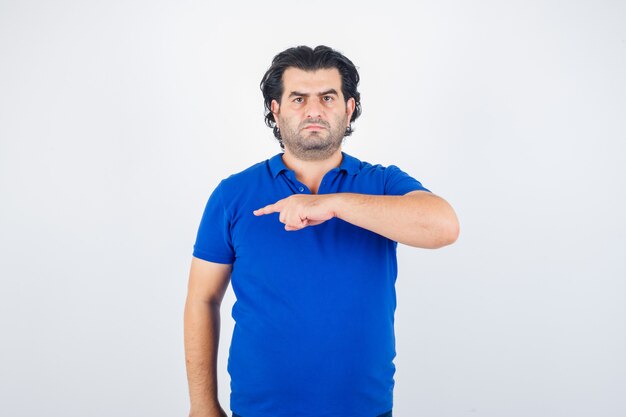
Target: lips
[(313, 127)]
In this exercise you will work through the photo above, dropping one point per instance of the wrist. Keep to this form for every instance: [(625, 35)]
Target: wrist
[(205, 406), (212, 411), (337, 204)]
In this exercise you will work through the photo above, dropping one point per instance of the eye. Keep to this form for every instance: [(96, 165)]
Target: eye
[(328, 99), (298, 100)]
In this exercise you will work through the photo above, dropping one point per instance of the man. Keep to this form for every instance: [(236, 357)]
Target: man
[(308, 239)]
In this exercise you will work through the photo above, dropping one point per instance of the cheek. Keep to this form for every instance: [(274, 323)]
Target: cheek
[(289, 118), (341, 118), (283, 122)]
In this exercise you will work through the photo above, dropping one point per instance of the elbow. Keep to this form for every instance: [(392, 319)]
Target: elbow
[(443, 233), (450, 232), (441, 239), (435, 227), (449, 228)]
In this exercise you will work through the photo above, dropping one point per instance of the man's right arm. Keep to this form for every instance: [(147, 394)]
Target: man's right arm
[(208, 282)]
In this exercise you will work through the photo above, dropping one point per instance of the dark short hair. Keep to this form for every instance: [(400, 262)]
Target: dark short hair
[(308, 59)]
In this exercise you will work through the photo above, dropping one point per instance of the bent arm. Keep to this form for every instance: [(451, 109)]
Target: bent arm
[(207, 284), (418, 218)]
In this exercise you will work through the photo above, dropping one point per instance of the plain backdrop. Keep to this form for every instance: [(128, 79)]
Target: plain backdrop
[(118, 118)]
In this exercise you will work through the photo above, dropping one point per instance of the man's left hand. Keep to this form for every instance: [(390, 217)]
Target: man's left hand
[(300, 210)]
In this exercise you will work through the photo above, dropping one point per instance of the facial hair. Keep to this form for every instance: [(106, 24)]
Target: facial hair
[(313, 145)]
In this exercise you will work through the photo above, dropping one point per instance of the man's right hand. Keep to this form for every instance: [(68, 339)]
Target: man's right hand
[(214, 412)]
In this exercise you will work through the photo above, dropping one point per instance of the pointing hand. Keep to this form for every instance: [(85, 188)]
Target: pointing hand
[(301, 210)]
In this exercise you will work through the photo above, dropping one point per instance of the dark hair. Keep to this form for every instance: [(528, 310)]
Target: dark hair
[(307, 59)]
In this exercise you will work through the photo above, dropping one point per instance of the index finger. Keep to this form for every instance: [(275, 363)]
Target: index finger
[(270, 208)]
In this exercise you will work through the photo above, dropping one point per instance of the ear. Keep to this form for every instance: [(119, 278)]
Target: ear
[(275, 108), (350, 106)]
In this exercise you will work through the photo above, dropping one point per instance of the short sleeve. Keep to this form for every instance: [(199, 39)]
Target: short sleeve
[(213, 242), (398, 182)]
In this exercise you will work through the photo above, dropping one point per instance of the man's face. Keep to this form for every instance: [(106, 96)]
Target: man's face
[(312, 114)]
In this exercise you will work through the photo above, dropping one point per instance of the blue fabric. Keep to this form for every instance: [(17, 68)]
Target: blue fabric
[(314, 310), (388, 414)]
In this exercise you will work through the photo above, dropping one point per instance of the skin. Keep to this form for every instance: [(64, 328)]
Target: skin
[(207, 284), (312, 116)]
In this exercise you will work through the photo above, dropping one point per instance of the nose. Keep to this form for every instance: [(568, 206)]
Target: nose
[(313, 109)]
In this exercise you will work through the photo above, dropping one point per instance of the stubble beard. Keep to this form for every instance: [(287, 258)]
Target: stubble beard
[(313, 145)]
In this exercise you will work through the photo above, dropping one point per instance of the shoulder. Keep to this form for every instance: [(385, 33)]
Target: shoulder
[(249, 177), (239, 187), (385, 179), (368, 169)]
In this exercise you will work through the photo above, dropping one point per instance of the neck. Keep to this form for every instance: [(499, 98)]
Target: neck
[(310, 173)]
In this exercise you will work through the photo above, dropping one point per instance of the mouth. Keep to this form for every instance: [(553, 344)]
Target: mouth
[(314, 127)]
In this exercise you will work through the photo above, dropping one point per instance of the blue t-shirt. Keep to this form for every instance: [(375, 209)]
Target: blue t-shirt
[(314, 310)]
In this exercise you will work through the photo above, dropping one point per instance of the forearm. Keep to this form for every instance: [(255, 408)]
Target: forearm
[(202, 329), (420, 219)]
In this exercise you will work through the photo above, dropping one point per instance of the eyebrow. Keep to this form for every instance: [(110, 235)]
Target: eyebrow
[(323, 93)]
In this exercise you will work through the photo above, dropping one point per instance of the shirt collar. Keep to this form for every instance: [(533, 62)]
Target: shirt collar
[(349, 164)]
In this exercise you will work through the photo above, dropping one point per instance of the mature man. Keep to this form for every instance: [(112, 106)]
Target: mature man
[(308, 239)]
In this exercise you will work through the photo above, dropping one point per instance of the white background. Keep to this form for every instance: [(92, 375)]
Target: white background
[(117, 119)]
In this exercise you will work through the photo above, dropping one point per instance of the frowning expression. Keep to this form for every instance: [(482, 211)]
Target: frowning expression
[(312, 114)]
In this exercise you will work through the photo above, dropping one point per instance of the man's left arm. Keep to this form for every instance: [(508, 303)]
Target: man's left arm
[(418, 218)]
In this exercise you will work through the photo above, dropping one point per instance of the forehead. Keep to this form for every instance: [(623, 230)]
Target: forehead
[(295, 79)]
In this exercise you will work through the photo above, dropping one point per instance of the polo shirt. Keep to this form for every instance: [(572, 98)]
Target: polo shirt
[(314, 310)]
